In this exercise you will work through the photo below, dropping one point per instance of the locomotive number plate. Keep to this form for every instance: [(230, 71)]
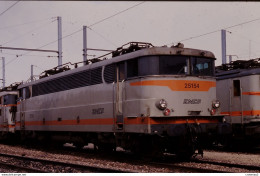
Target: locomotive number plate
[(97, 111), (191, 85)]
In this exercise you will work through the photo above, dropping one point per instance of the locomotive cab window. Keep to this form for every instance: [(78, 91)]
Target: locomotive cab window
[(236, 88), (132, 68), (202, 66), (148, 66), (170, 65), (173, 65), (10, 99), (121, 69), (25, 93)]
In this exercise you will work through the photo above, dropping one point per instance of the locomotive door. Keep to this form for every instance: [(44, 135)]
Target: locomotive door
[(4, 113), (22, 108), (119, 90), (22, 117), (236, 106)]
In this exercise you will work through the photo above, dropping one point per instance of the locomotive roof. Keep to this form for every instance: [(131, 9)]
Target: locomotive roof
[(8, 93), (236, 73), (143, 52), (238, 68)]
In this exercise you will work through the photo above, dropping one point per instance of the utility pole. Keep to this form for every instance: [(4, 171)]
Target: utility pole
[(85, 55), (31, 72), (223, 46), (249, 49), (59, 42), (3, 65), (230, 58)]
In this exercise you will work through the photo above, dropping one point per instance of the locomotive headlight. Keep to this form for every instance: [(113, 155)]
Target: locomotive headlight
[(167, 112), (216, 104), (212, 111), (162, 104)]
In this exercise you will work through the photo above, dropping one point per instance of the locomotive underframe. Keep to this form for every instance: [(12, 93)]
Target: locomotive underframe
[(171, 138)]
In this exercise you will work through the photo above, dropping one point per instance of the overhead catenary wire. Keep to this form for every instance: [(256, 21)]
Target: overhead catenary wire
[(32, 55), (244, 37), (80, 30), (9, 8), (88, 26), (225, 28), (22, 35), (100, 21), (22, 24), (103, 37)]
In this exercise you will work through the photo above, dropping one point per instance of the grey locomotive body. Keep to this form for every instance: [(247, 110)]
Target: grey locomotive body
[(145, 99), (238, 89)]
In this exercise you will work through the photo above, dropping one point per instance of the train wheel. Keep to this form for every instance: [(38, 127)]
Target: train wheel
[(185, 148), (79, 145), (104, 147), (149, 147), (185, 153)]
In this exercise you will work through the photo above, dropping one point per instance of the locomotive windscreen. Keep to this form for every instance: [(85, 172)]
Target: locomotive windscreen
[(170, 65), (202, 66), (10, 99)]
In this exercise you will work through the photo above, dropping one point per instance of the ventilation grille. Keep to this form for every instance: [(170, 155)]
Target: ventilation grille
[(81, 79), (110, 73)]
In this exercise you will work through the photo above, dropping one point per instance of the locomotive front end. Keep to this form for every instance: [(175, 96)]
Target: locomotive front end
[(174, 91)]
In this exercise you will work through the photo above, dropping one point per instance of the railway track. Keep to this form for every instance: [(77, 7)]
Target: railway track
[(169, 163), (20, 169), (27, 164), (241, 166), (204, 166), (186, 169)]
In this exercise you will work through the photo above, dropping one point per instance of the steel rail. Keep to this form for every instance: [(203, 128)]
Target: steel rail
[(241, 166), (186, 168), (21, 168), (72, 165)]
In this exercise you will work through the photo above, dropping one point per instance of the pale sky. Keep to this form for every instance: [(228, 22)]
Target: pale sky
[(33, 24)]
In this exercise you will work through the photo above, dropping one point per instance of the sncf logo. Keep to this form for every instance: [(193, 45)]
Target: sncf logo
[(192, 101)]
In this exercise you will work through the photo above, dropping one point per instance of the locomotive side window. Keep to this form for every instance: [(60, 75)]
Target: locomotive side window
[(25, 93), (121, 67), (132, 68), (148, 66), (236, 88)]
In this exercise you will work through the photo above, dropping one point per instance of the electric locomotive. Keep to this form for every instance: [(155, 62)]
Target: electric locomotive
[(238, 89), (145, 99), (8, 100)]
